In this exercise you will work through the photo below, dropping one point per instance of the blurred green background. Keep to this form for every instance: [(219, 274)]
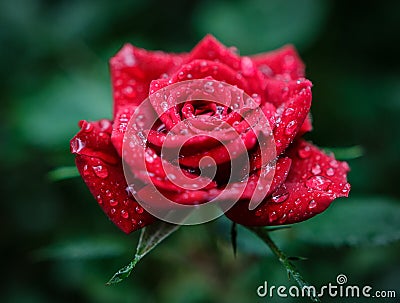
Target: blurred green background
[(58, 246)]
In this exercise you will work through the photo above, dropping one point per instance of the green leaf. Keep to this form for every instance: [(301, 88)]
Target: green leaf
[(62, 173), (80, 249), (150, 237), (346, 153), (353, 222)]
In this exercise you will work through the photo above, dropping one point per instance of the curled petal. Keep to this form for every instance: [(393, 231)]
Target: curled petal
[(101, 169), (284, 61), (314, 181), (132, 70)]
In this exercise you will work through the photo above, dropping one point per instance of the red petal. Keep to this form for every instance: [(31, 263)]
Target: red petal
[(211, 49), (291, 115), (132, 70), (284, 61), (101, 169), (314, 181)]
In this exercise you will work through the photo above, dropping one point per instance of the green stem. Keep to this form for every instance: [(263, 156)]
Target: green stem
[(292, 271)]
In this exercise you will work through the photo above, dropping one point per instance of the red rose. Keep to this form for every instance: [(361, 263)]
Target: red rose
[(305, 180)]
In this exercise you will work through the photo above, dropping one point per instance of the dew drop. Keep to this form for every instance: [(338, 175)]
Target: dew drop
[(334, 163), (171, 176), (280, 195), (113, 210), (290, 127), (113, 203), (139, 209), (330, 172), (129, 92), (208, 87), (312, 204), (318, 183), (130, 190), (258, 212), (304, 152), (316, 169), (100, 171), (87, 127), (86, 170), (164, 105), (297, 201), (289, 111), (272, 216), (124, 214)]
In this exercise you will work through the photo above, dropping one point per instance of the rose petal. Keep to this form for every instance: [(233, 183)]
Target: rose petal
[(291, 115), (284, 61), (132, 70), (314, 181), (211, 49), (101, 169)]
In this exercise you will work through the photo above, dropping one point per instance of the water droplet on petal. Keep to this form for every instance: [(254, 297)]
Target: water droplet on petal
[(124, 214), (312, 204), (316, 169), (258, 212), (113, 203), (247, 66), (208, 87), (334, 163), (100, 171), (290, 127), (318, 183), (280, 195), (297, 201), (164, 105), (289, 111), (330, 172), (304, 152), (87, 127), (272, 217), (139, 209), (130, 190), (113, 210)]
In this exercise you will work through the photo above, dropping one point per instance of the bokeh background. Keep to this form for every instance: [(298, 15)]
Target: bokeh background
[(57, 245)]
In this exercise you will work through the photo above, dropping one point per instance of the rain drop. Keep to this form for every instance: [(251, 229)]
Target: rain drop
[(304, 152), (164, 105), (113, 203), (208, 87), (272, 217), (312, 204), (290, 127), (124, 214), (318, 183), (330, 172), (100, 171), (316, 169), (139, 209), (280, 195)]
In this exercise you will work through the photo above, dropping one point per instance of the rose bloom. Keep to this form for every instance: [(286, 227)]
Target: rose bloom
[(305, 180)]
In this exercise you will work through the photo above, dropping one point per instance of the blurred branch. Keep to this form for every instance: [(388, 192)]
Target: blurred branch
[(64, 172), (346, 153), (263, 234)]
